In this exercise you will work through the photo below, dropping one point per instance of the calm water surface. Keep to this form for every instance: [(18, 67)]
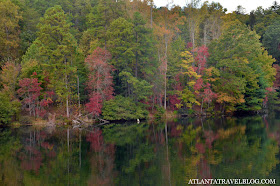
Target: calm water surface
[(142, 154)]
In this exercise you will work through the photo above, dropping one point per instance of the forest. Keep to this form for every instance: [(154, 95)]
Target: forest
[(128, 59)]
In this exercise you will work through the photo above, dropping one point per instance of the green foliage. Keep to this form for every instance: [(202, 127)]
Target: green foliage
[(30, 19), (160, 111), (9, 104), (138, 89), (99, 19), (58, 53), (120, 44), (152, 50), (144, 51), (245, 68), (264, 18), (32, 53), (273, 101), (9, 78), (188, 97), (31, 66), (121, 108), (175, 58), (9, 30), (8, 109), (271, 39)]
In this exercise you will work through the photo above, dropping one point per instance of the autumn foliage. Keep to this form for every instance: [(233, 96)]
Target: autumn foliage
[(100, 80), (195, 59), (30, 92)]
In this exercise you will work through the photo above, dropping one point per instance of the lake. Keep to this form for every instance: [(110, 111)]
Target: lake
[(159, 153)]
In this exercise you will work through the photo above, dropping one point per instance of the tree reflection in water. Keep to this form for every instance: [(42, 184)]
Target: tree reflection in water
[(162, 153)]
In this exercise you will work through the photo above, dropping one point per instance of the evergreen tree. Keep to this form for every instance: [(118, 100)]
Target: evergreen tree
[(121, 46), (9, 30), (245, 68), (144, 49), (57, 50), (271, 39)]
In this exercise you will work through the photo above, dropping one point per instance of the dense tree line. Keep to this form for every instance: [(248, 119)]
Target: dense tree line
[(107, 58)]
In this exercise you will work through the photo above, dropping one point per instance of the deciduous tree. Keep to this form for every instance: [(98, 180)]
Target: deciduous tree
[(100, 80)]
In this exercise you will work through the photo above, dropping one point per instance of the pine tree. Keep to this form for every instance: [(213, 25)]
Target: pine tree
[(57, 49), (245, 69), (9, 30)]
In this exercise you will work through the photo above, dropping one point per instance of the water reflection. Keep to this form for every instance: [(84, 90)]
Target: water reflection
[(141, 154)]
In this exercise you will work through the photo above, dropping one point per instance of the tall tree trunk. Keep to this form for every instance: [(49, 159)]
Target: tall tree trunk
[(105, 26), (8, 48), (136, 58), (67, 104), (165, 91), (79, 101), (165, 71), (166, 62), (29, 104), (66, 86), (201, 106), (204, 35), (193, 34), (152, 4)]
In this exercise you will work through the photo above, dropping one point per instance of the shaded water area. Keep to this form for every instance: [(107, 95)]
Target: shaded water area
[(160, 153)]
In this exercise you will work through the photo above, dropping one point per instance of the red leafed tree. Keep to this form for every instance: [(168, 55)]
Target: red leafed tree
[(208, 94), (202, 87), (203, 92), (201, 55), (174, 99), (95, 104), (30, 91), (189, 45), (45, 102), (269, 91), (100, 83), (198, 84)]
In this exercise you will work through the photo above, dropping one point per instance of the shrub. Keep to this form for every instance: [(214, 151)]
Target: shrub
[(160, 113), (121, 108), (8, 109)]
